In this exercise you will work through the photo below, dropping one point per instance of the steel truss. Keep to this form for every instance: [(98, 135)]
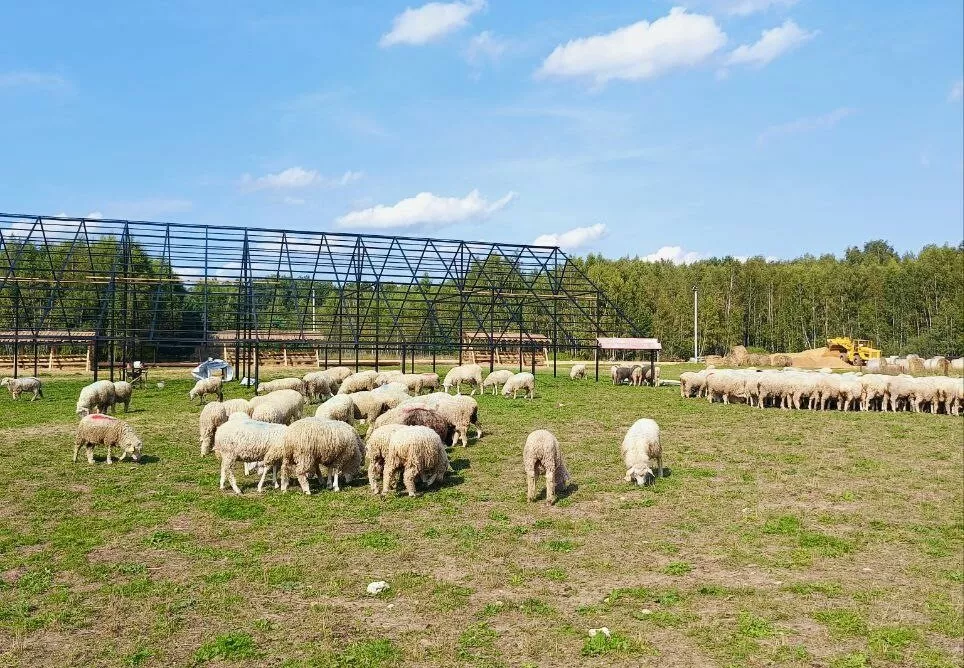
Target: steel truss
[(168, 292)]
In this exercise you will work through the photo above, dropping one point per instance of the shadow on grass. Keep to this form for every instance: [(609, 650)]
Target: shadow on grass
[(460, 464)]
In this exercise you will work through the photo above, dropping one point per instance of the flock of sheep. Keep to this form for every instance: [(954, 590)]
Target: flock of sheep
[(822, 390), (407, 432)]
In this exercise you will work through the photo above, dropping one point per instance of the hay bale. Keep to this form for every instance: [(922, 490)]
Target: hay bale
[(780, 360), (915, 365), (739, 355), (714, 360), (757, 359)]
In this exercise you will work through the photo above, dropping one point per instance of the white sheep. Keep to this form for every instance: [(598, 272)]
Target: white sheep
[(313, 443), (122, 394), (460, 410), (620, 373), (17, 386), (98, 397), (577, 372), (640, 447), (520, 382), (542, 454), (419, 453), (383, 377), (296, 384), (376, 446), (495, 380), (339, 373), (415, 415), (278, 407), (340, 407), (213, 415), (470, 374), (319, 385), (245, 440), (362, 381), (213, 385), (727, 385), (101, 429), (430, 381)]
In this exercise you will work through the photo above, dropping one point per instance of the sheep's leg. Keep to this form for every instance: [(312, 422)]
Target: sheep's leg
[(409, 478), (387, 475), (110, 459), (659, 466), (550, 484), (465, 436), (334, 475), (629, 475), (89, 447), (478, 431), (374, 475), (77, 449), (225, 465), (264, 475), (530, 485), (303, 482)]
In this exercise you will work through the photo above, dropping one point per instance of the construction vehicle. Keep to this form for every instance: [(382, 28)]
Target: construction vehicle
[(854, 351)]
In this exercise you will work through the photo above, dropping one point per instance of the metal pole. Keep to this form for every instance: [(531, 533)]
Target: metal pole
[(16, 329), (696, 354)]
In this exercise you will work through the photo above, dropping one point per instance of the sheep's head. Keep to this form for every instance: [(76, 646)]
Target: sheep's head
[(83, 412), (133, 447), (5, 382)]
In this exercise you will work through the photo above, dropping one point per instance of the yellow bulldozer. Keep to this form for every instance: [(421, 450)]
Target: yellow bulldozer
[(854, 351)]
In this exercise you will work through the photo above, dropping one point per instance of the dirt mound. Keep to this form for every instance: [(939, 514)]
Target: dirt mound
[(817, 358)]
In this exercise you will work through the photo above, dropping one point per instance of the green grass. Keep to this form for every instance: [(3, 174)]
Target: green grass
[(778, 538)]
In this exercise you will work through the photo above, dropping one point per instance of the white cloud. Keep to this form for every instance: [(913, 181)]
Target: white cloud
[(674, 254), (572, 239), (430, 22), (747, 7), (484, 46), (32, 80), (807, 124), (425, 208), (295, 178), (772, 44), (957, 91), (294, 201), (639, 51)]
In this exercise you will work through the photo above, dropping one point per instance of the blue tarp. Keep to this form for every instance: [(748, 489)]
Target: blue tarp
[(205, 369)]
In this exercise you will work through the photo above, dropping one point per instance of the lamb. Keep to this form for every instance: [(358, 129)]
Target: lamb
[(620, 373), (577, 372), (419, 453), (340, 407), (278, 407), (97, 397), (542, 454), (244, 439), (358, 382), (312, 443), (100, 429), (377, 447), (319, 385), (17, 386), (296, 384), (496, 379), (415, 416), (213, 385), (640, 446), (524, 381), (467, 373), (122, 394)]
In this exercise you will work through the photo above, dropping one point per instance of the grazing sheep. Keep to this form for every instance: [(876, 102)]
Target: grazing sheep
[(213, 385), (412, 382), (430, 381), (467, 373), (386, 377), (340, 407), (577, 372), (296, 384), (951, 393), (106, 430), (875, 393), (926, 393), (363, 381), (495, 379), (542, 454), (246, 440), (419, 453), (641, 446), (122, 394), (369, 405), (460, 410), (620, 374), (18, 386), (643, 374), (727, 385), (313, 443), (96, 398), (376, 447), (213, 415), (519, 382), (278, 407), (319, 385), (691, 383), (903, 394), (415, 416), (339, 373)]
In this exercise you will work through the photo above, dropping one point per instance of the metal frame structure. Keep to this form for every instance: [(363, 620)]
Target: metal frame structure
[(171, 292)]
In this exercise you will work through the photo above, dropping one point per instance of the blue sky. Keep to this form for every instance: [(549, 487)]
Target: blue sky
[(741, 127)]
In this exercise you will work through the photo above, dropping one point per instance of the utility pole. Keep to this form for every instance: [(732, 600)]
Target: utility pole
[(696, 354)]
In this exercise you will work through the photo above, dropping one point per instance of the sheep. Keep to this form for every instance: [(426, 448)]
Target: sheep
[(212, 385), (902, 394), (542, 454), (312, 443), (727, 385), (17, 386), (369, 405), (358, 382), (577, 372), (460, 410), (413, 416), (340, 407), (691, 383), (849, 394), (376, 447), (951, 393), (296, 384), (213, 415), (244, 439), (394, 387), (640, 446), (524, 382), (876, 388), (100, 429), (386, 377), (339, 373), (97, 397), (430, 381), (643, 374), (413, 382), (620, 373), (495, 379), (419, 453), (467, 373), (278, 407), (122, 394), (319, 385), (926, 393)]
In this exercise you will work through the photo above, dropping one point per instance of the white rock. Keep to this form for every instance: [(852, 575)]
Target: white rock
[(645, 611), (603, 630), (377, 587)]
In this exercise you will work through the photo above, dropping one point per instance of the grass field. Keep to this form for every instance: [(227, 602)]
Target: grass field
[(779, 538)]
